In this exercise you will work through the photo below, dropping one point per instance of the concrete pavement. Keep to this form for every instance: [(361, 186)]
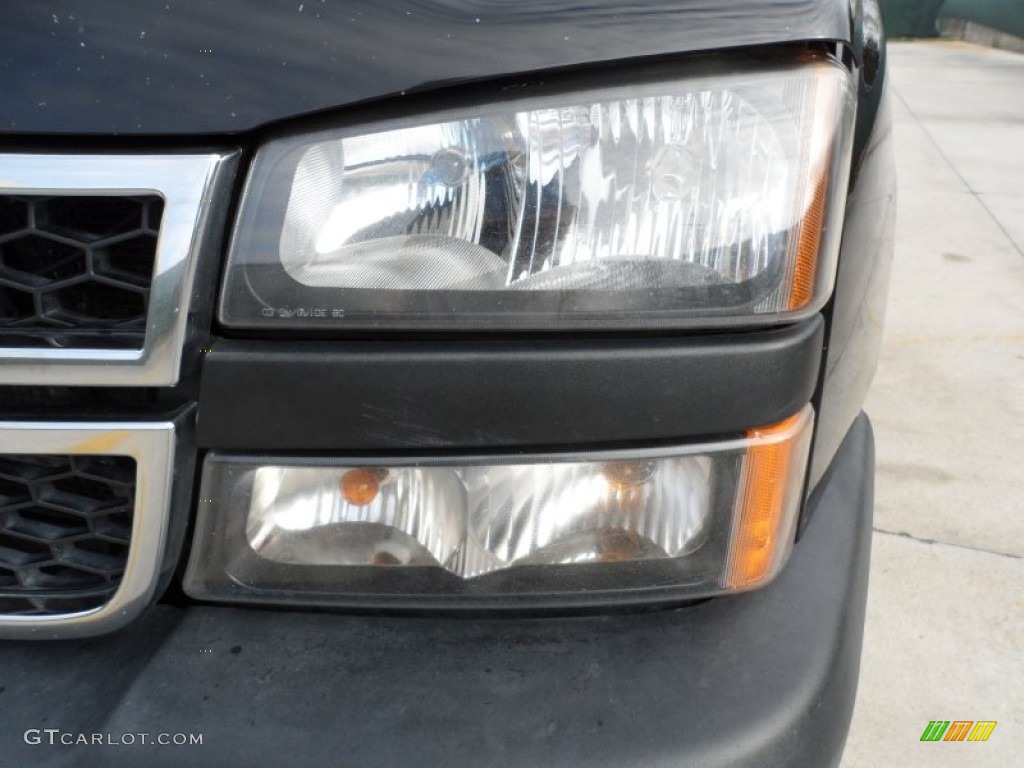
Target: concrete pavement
[(945, 627)]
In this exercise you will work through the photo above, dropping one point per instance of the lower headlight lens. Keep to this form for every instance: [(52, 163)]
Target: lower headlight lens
[(678, 201), (686, 522)]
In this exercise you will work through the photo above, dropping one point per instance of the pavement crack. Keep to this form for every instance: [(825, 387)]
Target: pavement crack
[(922, 540), (963, 179)]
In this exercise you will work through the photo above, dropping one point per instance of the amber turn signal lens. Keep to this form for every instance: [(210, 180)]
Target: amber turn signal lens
[(764, 527), (360, 486), (625, 475), (805, 267), (811, 229)]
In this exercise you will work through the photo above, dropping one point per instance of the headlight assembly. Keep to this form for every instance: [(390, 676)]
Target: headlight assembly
[(566, 531), (703, 201)]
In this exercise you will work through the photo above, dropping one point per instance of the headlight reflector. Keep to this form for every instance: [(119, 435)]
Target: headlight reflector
[(688, 522), (707, 200)]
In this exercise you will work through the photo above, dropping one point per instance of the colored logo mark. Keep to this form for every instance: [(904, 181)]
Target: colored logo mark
[(958, 730)]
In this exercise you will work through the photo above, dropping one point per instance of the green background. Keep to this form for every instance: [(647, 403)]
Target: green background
[(919, 18)]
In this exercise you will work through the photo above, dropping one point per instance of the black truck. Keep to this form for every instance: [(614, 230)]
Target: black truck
[(437, 383)]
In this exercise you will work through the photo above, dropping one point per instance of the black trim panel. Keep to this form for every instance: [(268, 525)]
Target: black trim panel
[(339, 396)]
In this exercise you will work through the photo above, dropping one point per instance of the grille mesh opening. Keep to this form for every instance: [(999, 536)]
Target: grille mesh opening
[(65, 528), (75, 271)]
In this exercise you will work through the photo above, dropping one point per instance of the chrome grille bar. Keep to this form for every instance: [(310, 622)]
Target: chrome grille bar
[(152, 446), (190, 184)]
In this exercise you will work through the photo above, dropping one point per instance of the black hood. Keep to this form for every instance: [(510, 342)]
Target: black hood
[(221, 66)]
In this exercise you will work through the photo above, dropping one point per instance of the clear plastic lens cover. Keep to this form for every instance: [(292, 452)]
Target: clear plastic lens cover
[(680, 202), (694, 521), (475, 520)]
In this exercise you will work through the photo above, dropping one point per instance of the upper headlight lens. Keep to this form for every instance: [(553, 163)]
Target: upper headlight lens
[(700, 201)]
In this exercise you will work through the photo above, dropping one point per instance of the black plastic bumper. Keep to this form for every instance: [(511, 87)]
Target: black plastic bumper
[(766, 678)]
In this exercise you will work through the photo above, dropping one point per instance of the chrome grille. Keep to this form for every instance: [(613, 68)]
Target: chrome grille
[(83, 523), (75, 271), (65, 528), (107, 270), (90, 293)]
